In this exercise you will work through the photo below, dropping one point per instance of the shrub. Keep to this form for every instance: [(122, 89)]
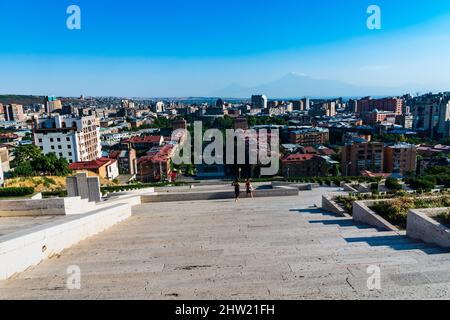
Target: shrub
[(425, 183), (393, 184), (396, 211), (16, 192), (53, 194), (444, 218)]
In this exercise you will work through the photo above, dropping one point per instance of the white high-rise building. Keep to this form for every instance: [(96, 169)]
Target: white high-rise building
[(75, 139)]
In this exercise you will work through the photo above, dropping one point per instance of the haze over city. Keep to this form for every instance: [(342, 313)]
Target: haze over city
[(178, 48)]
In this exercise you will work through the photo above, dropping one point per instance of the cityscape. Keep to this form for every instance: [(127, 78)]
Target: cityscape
[(301, 188)]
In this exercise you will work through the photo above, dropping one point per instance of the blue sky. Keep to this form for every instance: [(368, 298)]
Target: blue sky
[(181, 48)]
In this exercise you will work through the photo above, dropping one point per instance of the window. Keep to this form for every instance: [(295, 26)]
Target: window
[(51, 139), (70, 154), (68, 139), (40, 140), (53, 147), (59, 139), (60, 154)]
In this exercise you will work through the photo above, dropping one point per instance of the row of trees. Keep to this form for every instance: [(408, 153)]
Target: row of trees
[(29, 161)]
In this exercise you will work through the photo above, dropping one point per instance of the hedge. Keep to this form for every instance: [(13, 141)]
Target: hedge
[(55, 194), (138, 186), (16, 192)]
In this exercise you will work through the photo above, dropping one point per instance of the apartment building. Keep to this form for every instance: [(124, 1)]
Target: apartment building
[(432, 115), (362, 155), (52, 105), (304, 165), (394, 105), (76, 139), (14, 112), (400, 158), (309, 136)]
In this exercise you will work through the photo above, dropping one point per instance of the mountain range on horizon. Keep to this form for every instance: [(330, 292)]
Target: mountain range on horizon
[(295, 85)]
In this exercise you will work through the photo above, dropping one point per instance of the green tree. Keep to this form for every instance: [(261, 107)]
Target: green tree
[(393, 184)]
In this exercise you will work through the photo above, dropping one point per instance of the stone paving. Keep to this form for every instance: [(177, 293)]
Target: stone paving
[(267, 248), (9, 225)]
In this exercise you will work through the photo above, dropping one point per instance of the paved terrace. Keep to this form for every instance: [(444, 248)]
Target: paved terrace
[(268, 248)]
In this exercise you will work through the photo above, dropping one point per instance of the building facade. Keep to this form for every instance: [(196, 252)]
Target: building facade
[(14, 112), (309, 136), (394, 105), (75, 139), (304, 165), (259, 102), (360, 156), (400, 158), (432, 115)]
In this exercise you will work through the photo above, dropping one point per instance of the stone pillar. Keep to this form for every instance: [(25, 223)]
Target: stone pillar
[(72, 187), (94, 191), (82, 182), (87, 188)]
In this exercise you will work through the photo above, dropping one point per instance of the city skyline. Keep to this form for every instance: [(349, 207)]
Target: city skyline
[(177, 50)]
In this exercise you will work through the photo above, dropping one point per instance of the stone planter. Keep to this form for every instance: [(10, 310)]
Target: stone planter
[(423, 226)]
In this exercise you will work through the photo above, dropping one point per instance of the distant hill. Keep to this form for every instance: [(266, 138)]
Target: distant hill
[(21, 99), (295, 85)]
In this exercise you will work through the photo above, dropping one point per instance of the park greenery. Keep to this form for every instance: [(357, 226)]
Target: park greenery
[(16, 192), (444, 218), (393, 184), (396, 211), (433, 176), (29, 162)]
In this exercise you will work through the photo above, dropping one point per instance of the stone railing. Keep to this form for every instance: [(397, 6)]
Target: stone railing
[(328, 204)]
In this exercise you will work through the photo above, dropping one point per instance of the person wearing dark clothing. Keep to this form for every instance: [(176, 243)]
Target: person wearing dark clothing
[(237, 190)]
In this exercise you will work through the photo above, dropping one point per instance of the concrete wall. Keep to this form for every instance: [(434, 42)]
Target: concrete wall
[(215, 195), (422, 226), (44, 207), (300, 186), (362, 213), (348, 187), (27, 248), (331, 206)]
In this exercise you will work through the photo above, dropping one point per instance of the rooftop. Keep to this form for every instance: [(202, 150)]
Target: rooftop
[(91, 165)]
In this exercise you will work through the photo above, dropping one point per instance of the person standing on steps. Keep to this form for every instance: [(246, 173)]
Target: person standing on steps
[(237, 190), (249, 188)]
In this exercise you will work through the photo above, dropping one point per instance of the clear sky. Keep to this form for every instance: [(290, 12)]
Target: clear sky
[(196, 47)]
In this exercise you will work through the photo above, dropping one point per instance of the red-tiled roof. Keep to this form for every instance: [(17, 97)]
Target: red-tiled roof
[(370, 174), (146, 139), (114, 154), (8, 136), (157, 155), (91, 165), (310, 150), (299, 157), (327, 152)]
